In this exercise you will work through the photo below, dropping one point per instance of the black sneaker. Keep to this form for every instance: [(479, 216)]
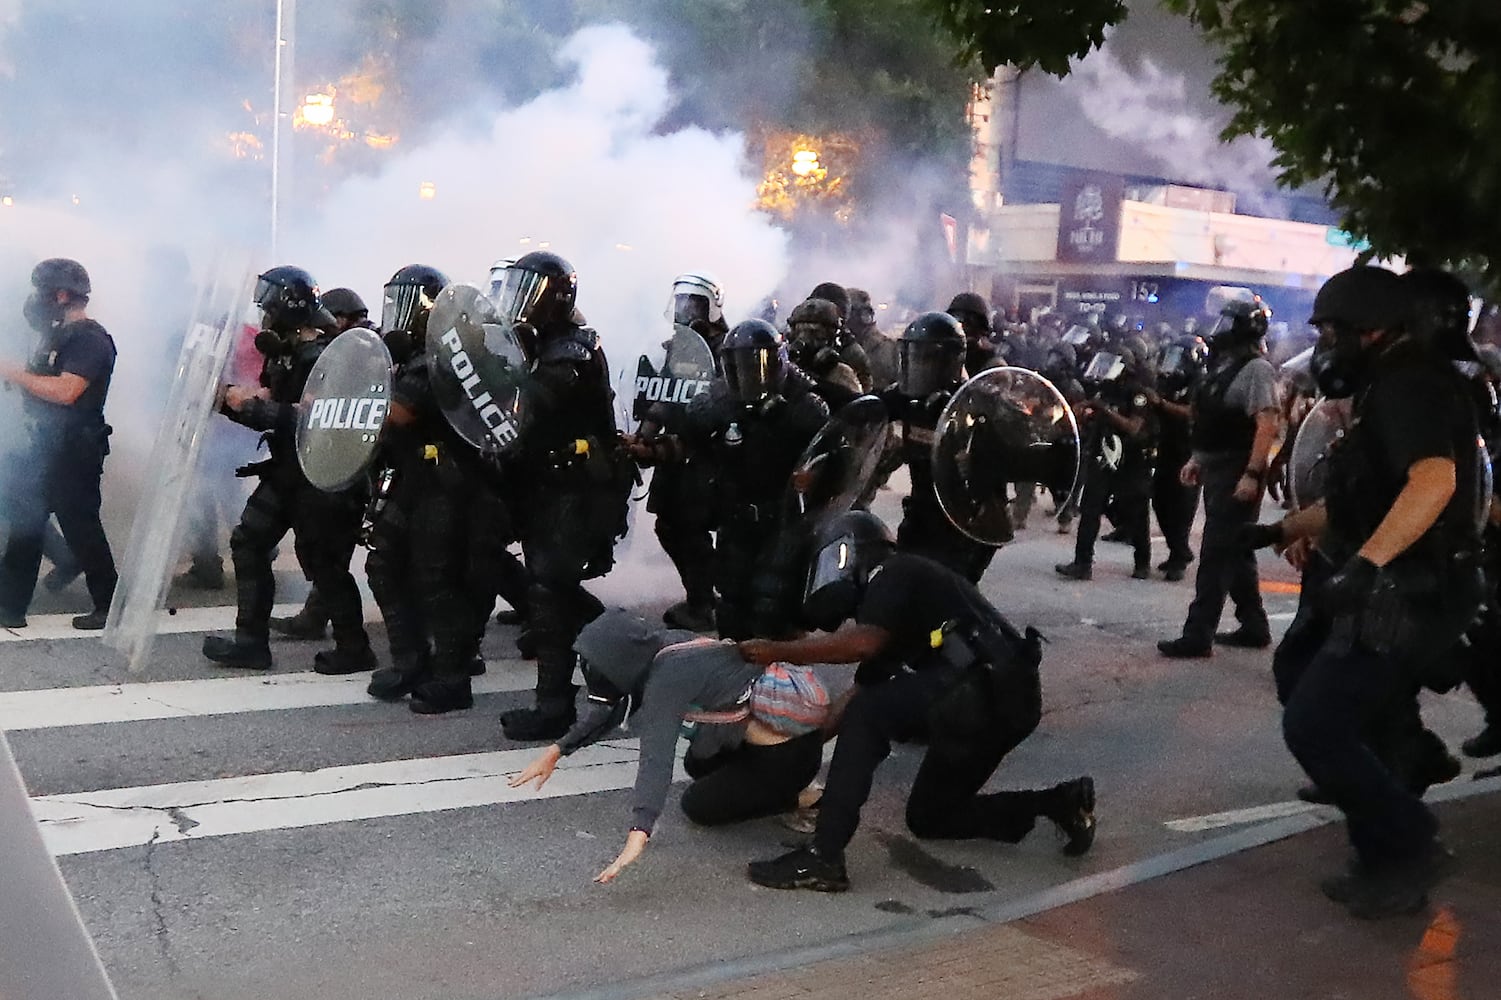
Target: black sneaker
[(91, 622), (336, 662), (1184, 648), (1486, 743), (532, 725), (1243, 638), (1074, 815), (232, 652), (434, 697), (1401, 889), (1074, 570), (803, 868), (299, 626)]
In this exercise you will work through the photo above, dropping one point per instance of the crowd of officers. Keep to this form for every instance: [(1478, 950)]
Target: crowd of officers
[(1399, 557)]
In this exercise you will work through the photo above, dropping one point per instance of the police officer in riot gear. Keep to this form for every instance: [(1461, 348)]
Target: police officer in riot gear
[(573, 482), (879, 349), (347, 309), (1235, 422), (813, 333), (938, 665), (680, 492), (1400, 532), (973, 314), (1179, 374), (851, 352), (751, 427), (435, 523), (66, 385), (930, 366), (325, 526), (1118, 434)]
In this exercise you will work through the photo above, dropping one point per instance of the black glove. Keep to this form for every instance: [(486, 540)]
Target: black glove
[(1349, 589), (1258, 536)]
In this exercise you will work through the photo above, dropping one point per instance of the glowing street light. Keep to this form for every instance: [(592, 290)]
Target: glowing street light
[(427, 191), (318, 109), (804, 162)]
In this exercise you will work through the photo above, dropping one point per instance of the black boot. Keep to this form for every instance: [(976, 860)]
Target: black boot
[(344, 660), (300, 626), (249, 654), (1073, 814), (436, 697), (531, 725), (395, 682), (1074, 570)]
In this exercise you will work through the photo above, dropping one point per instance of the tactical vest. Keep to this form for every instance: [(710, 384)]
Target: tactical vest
[(1218, 426)]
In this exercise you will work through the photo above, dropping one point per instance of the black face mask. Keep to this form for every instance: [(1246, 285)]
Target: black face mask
[(401, 344), (272, 344), (1339, 361), (42, 313)]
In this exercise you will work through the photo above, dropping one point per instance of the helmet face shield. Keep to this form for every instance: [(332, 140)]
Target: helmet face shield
[(1104, 367), (1077, 336), (520, 293), (752, 372), (689, 308), (266, 292), (405, 308), (833, 588), (926, 367)]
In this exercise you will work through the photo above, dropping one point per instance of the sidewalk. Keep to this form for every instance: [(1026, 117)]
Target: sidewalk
[(1250, 926)]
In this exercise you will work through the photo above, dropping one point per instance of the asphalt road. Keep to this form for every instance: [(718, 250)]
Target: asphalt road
[(390, 880)]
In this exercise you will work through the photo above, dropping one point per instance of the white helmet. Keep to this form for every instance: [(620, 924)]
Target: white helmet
[(695, 285)]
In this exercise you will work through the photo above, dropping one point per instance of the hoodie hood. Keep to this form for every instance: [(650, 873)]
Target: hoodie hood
[(620, 647)]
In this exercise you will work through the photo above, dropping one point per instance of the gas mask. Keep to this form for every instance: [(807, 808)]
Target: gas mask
[(42, 311), (1339, 360)]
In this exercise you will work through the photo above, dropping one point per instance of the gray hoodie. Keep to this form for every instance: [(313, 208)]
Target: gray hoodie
[(667, 673)]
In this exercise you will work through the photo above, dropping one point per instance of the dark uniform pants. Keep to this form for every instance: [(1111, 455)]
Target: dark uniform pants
[(945, 802), (756, 570), (926, 531), (559, 557), (1176, 506), (1100, 485), (680, 497), (325, 529), (64, 481), (1226, 567), (751, 781)]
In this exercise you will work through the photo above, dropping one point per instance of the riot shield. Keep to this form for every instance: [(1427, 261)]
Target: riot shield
[(478, 365), (1006, 427), (1308, 465), (343, 409), (217, 322), (685, 371), (840, 463)]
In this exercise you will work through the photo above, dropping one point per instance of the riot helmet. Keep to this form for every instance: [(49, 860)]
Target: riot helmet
[(42, 310), (752, 354), (846, 550), (1358, 301), (1440, 318), (697, 302), (930, 355), (497, 278), (1241, 324), (288, 299), (837, 294), (972, 312), (1181, 359), (862, 314), (409, 298), (345, 304), (539, 289)]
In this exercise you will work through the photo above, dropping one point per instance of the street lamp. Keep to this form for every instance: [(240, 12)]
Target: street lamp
[(318, 109), (804, 162)]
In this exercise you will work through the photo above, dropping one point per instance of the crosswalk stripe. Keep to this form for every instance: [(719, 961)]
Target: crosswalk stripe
[(169, 622), (138, 702), (86, 822)]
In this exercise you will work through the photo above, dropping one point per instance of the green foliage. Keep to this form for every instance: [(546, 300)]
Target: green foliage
[(1044, 34), (1391, 105)]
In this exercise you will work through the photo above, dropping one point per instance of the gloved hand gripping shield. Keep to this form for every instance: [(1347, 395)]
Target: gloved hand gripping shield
[(840, 464), (1005, 427)]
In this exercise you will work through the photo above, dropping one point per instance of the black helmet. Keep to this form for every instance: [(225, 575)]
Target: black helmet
[(972, 311), (1354, 302), (1240, 322), (837, 294), (540, 288), (289, 300), (1440, 319), (345, 303), (409, 299), (752, 354), (930, 355), (60, 274), (813, 325), (846, 550)]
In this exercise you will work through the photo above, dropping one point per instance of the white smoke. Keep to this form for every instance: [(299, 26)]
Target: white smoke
[(1150, 108), (579, 170)]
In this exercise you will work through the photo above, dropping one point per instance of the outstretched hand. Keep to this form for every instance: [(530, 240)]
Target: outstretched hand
[(539, 769), (634, 845)]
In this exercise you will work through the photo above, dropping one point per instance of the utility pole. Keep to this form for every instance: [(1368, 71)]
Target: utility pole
[(281, 87)]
